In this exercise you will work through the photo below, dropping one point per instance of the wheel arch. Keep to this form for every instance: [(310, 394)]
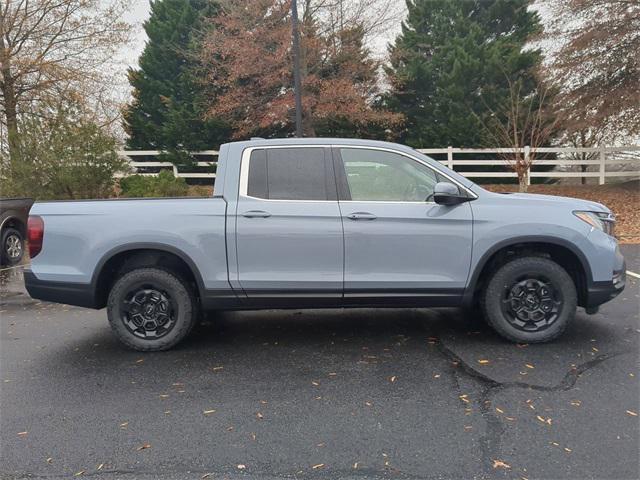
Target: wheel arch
[(13, 220), (142, 254), (564, 252)]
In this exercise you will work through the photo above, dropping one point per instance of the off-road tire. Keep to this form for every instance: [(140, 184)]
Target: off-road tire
[(500, 283), (182, 298)]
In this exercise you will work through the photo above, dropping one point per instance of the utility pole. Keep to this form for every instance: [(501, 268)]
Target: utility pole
[(296, 67)]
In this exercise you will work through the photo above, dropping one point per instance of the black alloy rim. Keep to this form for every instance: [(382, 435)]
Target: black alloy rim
[(148, 312), (531, 303)]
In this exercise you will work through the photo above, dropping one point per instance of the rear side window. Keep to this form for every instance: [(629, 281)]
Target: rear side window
[(288, 174)]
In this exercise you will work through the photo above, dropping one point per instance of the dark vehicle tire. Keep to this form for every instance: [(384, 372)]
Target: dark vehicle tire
[(150, 309), (12, 247), (530, 300)]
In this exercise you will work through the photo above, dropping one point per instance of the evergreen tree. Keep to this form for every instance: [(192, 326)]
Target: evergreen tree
[(451, 64), (167, 112)]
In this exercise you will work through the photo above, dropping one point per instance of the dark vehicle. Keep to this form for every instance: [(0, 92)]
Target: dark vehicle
[(13, 228)]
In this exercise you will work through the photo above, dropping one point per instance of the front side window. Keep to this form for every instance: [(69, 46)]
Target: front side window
[(288, 174), (377, 175)]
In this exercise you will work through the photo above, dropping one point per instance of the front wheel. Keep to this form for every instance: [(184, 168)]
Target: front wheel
[(530, 300), (150, 309)]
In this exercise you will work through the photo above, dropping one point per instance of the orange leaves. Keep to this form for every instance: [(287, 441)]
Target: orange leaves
[(247, 62), (501, 464)]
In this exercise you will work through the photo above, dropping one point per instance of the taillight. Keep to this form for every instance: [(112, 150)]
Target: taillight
[(35, 234)]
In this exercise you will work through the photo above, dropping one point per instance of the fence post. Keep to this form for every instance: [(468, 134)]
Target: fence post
[(175, 171), (527, 156), (603, 157), (450, 157)]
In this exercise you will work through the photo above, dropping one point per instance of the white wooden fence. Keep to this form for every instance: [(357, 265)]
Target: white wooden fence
[(609, 162)]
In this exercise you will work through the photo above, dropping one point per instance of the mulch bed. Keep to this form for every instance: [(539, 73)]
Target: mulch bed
[(622, 198)]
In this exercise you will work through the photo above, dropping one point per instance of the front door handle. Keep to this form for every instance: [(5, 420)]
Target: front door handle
[(256, 214), (361, 216)]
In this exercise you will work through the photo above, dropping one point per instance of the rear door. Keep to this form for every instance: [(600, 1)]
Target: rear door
[(289, 230), (398, 242)]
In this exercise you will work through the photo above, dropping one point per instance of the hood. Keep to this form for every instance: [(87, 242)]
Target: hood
[(552, 200)]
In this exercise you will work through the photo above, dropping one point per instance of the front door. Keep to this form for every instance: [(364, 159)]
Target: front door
[(288, 226), (398, 242)]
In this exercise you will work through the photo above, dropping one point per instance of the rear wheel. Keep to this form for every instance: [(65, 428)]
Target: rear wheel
[(12, 247), (150, 309), (530, 300)]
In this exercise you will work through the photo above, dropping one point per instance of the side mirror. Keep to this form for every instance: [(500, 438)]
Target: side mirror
[(446, 193)]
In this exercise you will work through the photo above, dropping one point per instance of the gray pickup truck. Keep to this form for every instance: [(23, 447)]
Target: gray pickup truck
[(13, 229), (326, 223)]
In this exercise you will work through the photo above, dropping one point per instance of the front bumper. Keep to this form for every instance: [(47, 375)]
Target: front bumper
[(601, 292)]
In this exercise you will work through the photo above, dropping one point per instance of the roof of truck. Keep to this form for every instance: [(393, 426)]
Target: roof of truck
[(318, 141)]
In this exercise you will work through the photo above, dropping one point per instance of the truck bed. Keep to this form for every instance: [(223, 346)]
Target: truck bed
[(80, 234)]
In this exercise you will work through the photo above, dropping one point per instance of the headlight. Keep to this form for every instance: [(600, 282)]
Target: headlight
[(601, 220)]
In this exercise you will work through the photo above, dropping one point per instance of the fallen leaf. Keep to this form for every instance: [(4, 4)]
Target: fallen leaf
[(632, 413), (528, 365), (215, 369), (355, 465), (567, 450), (499, 410), (368, 404), (124, 424), (484, 361), (140, 360), (500, 464), (241, 467), (392, 379), (436, 376), (319, 465), (81, 472), (464, 398), (164, 396), (100, 466), (209, 412), (253, 436), (206, 475), (315, 384), (576, 403), (144, 447), (22, 434), (49, 460), (259, 415), (333, 374)]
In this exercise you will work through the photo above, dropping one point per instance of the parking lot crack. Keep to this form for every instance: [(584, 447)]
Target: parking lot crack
[(490, 442)]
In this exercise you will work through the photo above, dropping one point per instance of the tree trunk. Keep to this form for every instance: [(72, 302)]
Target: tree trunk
[(10, 105), (523, 178)]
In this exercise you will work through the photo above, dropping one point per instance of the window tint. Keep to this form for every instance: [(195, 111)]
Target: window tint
[(257, 186), (376, 175), (288, 174)]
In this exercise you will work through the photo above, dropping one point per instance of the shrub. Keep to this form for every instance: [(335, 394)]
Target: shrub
[(164, 185), (62, 156)]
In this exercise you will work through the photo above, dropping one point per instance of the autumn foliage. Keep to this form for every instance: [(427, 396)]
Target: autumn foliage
[(247, 58)]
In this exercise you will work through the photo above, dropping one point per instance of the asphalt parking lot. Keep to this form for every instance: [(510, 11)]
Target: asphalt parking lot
[(320, 394)]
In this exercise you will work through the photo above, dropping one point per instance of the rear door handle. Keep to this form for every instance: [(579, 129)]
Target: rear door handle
[(361, 216), (256, 214)]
